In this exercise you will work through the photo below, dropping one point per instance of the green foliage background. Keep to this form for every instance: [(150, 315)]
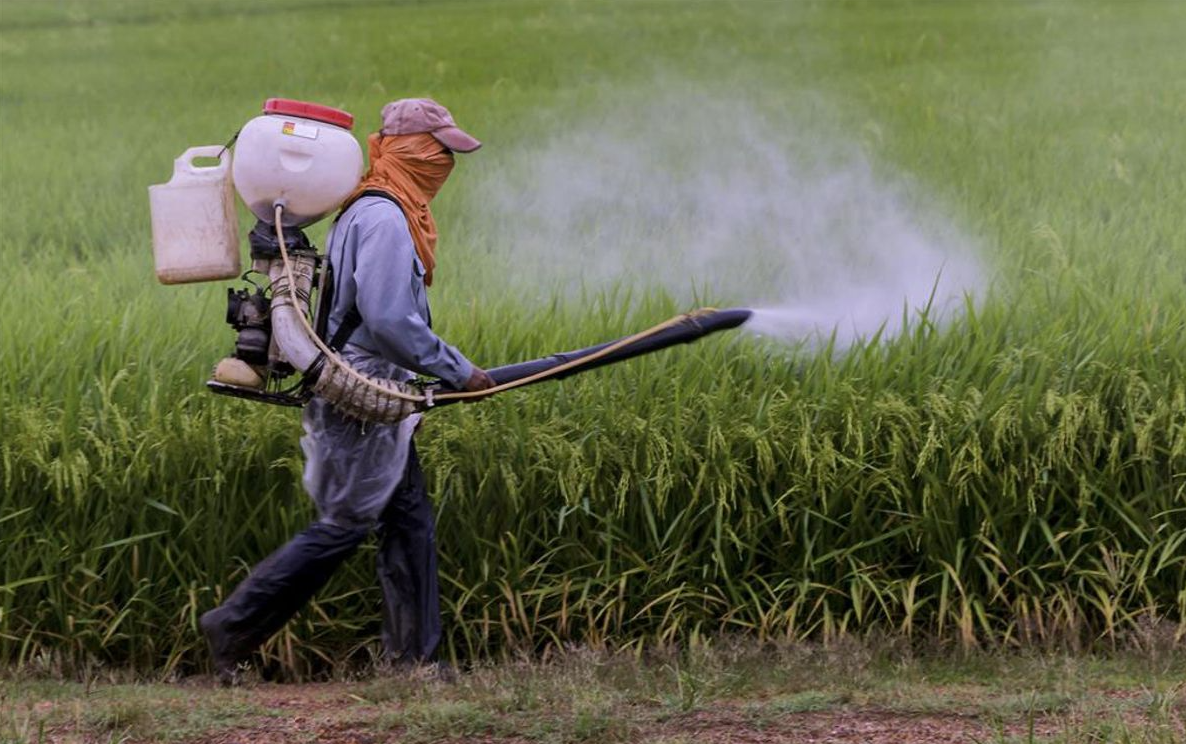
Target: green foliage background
[(1017, 478)]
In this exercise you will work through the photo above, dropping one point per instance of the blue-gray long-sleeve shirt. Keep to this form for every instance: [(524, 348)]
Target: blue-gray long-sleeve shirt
[(377, 269)]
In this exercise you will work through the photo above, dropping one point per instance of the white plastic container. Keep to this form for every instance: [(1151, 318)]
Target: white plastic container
[(195, 235), (299, 154)]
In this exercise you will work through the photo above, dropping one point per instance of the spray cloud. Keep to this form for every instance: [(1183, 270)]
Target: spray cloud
[(710, 196)]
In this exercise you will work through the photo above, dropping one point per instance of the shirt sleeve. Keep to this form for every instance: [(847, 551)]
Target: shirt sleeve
[(385, 278)]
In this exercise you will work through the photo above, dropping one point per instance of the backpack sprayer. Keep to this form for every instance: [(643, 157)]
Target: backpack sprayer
[(293, 165)]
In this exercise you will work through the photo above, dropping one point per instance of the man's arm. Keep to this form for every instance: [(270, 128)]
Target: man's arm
[(384, 276)]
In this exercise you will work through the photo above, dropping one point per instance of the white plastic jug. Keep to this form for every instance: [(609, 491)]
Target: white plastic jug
[(195, 236)]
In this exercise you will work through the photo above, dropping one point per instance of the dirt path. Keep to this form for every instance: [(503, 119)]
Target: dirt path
[(317, 721), (800, 696), (335, 713)]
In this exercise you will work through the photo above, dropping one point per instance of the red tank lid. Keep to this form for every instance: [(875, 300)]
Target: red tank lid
[(314, 111)]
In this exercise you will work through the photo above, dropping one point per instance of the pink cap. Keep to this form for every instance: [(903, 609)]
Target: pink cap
[(415, 115)]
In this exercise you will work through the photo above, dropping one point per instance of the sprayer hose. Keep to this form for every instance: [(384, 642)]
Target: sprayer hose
[(427, 400)]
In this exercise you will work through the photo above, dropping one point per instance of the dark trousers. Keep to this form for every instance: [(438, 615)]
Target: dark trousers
[(407, 566)]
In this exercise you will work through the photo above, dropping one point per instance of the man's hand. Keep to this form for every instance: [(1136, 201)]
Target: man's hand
[(478, 380)]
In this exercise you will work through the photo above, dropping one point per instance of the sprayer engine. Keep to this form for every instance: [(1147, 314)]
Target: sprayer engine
[(247, 313), (257, 368)]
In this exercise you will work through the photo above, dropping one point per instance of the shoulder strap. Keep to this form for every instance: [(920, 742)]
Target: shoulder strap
[(369, 192), (346, 328)]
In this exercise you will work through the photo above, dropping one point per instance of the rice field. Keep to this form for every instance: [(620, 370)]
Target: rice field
[(1013, 477)]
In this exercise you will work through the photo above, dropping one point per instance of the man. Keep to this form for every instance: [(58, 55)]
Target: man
[(367, 477)]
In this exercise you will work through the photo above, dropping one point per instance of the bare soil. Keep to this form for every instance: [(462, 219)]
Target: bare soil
[(796, 694), (331, 713), (328, 714)]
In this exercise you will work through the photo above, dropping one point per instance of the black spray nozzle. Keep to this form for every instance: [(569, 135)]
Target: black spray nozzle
[(689, 328)]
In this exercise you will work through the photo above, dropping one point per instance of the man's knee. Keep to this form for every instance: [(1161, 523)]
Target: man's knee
[(331, 536)]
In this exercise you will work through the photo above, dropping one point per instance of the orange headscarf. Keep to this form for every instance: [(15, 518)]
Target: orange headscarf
[(412, 168)]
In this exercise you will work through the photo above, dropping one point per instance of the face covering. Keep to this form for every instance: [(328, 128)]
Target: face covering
[(411, 168)]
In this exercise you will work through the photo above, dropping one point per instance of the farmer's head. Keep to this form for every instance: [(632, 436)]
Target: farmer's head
[(417, 141)]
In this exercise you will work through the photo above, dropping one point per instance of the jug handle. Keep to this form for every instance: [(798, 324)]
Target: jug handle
[(186, 161)]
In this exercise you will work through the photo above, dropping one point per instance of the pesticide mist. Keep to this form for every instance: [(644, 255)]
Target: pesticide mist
[(713, 200)]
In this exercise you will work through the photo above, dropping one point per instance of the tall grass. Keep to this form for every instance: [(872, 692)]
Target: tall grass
[(1018, 477)]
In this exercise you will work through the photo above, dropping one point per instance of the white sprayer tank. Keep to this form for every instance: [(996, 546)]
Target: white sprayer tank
[(195, 236), (298, 154)]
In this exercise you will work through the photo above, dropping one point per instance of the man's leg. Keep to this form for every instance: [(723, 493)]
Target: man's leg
[(274, 591), (407, 565)]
